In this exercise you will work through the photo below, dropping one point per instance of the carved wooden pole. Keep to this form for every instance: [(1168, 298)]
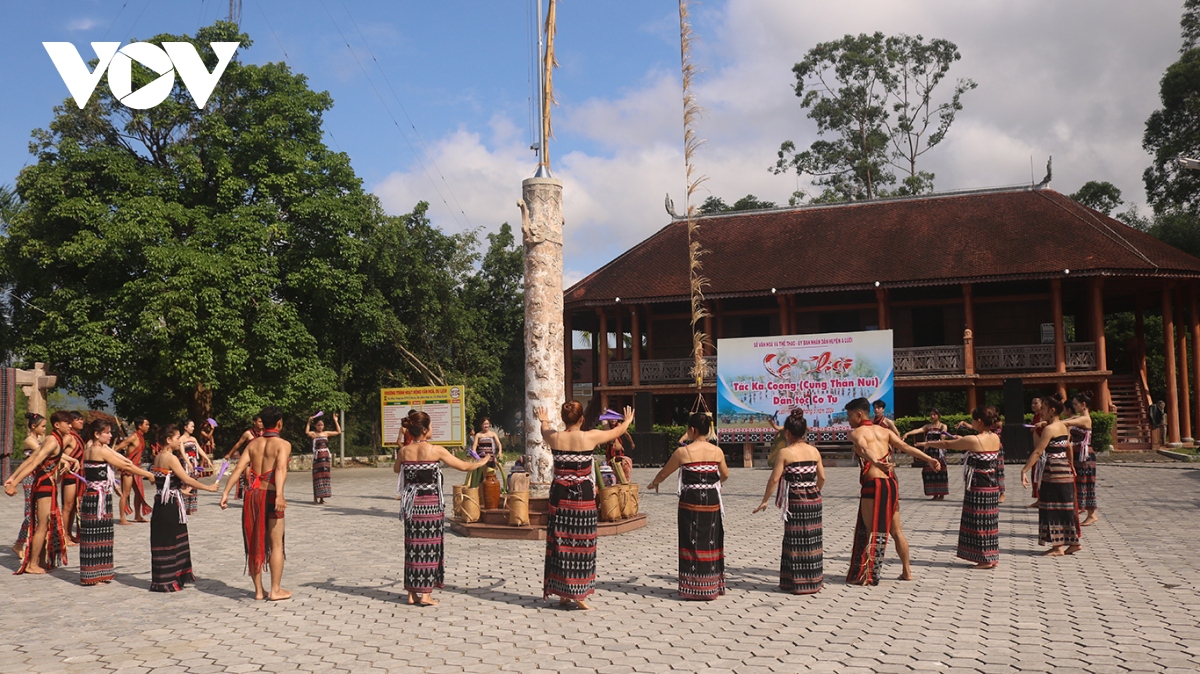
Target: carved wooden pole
[(541, 233)]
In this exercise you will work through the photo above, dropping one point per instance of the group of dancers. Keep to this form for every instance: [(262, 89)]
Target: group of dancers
[(1061, 471)]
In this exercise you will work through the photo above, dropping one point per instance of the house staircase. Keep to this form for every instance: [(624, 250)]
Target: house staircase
[(1132, 433)]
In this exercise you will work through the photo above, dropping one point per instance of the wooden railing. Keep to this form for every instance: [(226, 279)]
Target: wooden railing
[(1011, 358), (663, 371), (928, 360)]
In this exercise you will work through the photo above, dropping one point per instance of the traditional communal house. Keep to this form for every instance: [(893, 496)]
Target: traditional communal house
[(978, 287)]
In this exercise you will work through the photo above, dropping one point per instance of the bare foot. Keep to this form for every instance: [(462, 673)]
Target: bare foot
[(1072, 549), (427, 600), (564, 603), (412, 599), (279, 595), (18, 550), (1035, 504), (258, 596), (124, 523), (582, 606), (986, 566), (1053, 552), (1001, 499), (1091, 519), (907, 575), (35, 570), (141, 520)]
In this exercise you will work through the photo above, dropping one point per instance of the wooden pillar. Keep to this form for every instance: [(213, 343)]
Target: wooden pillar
[(785, 327), (791, 309), (1139, 332), (747, 455), (881, 308), (601, 339), (1168, 320), (620, 334), (1194, 324), (1103, 399), (1060, 347), (716, 312), (648, 317), (569, 352), (1181, 352), (636, 347), (969, 336), (972, 398)]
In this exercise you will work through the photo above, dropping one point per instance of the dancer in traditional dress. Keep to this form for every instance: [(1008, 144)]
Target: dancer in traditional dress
[(701, 525), (1036, 407), (265, 463), (936, 480), (570, 571), (46, 540), (879, 502), (170, 550), (35, 433), (880, 418), (1058, 519), (71, 482), (979, 528), (1080, 427), (235, 453), (322, 458), (487, 442), (132, 485), (95, 512), (198, 463), (797, 477), (423, 508)]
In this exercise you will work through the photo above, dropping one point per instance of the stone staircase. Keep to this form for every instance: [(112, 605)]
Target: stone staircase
[(1133, 423)]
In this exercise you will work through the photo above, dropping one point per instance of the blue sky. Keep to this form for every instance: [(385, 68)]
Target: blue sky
[(1073, 78)]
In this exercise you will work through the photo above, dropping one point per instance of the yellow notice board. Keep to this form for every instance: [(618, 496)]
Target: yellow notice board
[(443, 404)]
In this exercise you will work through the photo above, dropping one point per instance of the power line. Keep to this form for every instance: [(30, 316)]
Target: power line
[(114, 21), (403, 110), (272, 29), (388, 110)]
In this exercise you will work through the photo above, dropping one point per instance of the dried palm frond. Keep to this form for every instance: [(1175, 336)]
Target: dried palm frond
[(549, 64), (691, 143)]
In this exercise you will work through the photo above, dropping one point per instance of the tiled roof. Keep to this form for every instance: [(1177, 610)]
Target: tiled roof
[(933, 240)]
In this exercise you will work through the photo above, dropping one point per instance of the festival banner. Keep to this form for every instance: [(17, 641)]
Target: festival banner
[(760, 380), (445, 405)]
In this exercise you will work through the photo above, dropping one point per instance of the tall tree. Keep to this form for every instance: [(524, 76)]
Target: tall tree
[(843, 84), (1101, 196), (1174, 131), (921, 122), (851, 88), (715, 204)]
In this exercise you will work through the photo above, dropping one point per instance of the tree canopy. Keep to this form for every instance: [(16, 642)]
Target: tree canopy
[(213, 261), (715, 204), (872, 98)]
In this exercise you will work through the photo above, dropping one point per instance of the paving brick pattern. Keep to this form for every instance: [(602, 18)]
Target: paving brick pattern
[(1127, 603)]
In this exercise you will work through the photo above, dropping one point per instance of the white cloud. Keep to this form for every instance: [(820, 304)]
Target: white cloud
[(1074, 79), (82, 24)]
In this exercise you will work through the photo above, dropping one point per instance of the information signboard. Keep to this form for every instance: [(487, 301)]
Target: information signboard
[(445, 406)]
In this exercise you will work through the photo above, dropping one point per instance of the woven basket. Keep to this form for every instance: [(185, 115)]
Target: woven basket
[(630, 500), (518, 508), (608, 499), (466, 503)]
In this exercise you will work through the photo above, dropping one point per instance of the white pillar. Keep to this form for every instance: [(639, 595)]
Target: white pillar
[(541, 230)]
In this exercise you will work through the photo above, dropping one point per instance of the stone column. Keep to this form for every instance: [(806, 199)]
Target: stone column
[(542, 235)]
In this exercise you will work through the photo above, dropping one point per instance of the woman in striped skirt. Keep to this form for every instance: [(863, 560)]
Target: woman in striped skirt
[(423, 508), (979, 528), (95, 514), (1058, 520), (35, 433), (570, 569), (322, 458), (797, 477), (701, 511), (170, 551), (1080, 428), (937, 480)]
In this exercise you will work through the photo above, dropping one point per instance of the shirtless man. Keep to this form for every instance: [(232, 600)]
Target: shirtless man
[(133, 448), (879, 506), (265, 462), (72, 485), (881, 420)]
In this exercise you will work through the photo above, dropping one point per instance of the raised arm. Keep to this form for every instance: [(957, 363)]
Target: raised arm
[(28, 465), (117, 460), (456, 463), (181, 474), (308, 428), (126, 442), (912, 432), (673, 464), (601, 436), (901, 446), (772, 483), (1078, 421), (246, 436), (964, 444), (337, 427)]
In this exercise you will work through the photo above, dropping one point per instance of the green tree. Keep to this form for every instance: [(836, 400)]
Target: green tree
[(921, 122), (851, 88), (714, 204), (843, 86), (1100, 196), (175, 253), (1171, 132)]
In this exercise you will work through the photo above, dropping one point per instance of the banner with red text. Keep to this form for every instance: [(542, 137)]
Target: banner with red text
[(760, 380)]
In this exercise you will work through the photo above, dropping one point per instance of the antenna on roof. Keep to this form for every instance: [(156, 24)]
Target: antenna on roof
[(1049, 174)]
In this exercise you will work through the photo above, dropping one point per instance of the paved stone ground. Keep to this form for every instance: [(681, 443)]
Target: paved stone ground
[(1128, 602)]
